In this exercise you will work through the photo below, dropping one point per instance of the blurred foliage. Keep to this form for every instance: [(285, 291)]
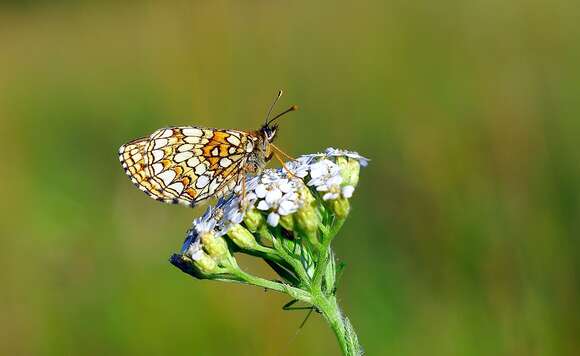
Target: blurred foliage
[(463, 239)]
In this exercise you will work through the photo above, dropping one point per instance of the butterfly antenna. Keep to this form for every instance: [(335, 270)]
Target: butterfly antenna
[(290, 109), (280, 92)]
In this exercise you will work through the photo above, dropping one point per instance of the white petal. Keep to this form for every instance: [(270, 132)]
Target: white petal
[(335, 180), (301, 173), (273, 196), (260, 190), (270, 176), (204, 226), (287, 207), (236, 218), (285, 186), (315, 182), (262, 205), (323, 188), (347, 191), (317, 169), (316, 173), (292, 196), (196, 255), (251, 196), (273, 219), (329, 196)]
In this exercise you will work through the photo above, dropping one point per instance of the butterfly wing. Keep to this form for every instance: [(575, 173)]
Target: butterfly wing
[(187, 164)]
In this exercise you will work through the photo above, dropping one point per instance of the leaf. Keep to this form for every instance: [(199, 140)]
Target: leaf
[(283, 272)]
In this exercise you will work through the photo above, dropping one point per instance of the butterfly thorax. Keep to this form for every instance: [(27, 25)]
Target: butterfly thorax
[(262, 153)]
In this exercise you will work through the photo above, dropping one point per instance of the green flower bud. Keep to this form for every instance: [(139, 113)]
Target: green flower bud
[(340, 207), (206, 264), (215, 246), (253, 219), (287, 222), (307, 217), (242, 237), (349, 170)]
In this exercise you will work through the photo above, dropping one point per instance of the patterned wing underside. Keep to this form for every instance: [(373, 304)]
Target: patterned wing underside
[(187, 164)]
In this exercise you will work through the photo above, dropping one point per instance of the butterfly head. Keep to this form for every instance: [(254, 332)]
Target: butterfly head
[(269, 129), (269, 132)]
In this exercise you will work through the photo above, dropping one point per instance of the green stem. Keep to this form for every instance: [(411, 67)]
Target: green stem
[(231, 272), (325, 255), (247, 278), (339, 324)]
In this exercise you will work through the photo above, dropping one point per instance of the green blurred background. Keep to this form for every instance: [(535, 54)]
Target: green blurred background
[(464, 233)]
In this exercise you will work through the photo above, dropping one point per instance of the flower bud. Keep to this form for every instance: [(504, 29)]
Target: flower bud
[(205, 264), (215, 246), (253, 219), (340, 207), (307, 217), (242, 237), (287, 222), (349, 170)]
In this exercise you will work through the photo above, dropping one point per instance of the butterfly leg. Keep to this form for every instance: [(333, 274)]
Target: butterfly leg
[(284, 154), (292, 175), (277, 152), (244, 190)]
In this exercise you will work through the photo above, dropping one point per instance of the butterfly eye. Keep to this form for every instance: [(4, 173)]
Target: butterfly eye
[(271, 132)]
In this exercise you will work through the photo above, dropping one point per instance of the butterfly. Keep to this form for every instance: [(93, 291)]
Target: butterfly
[(190, 164)]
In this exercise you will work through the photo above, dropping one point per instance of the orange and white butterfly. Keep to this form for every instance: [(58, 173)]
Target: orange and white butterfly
[(190, 164)]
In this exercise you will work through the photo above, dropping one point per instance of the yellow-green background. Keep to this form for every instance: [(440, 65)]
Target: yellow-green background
[(464, 233)]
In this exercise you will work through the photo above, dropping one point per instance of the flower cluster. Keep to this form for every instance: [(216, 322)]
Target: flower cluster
[(294, 196), (277, 195), (287, 217)]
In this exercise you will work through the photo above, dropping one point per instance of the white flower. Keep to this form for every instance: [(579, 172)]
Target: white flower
[(325, 176), (330, 196), (201, 225), (261, 191), (230, 213), (262, 205), (276, 194), (300, 166), (334, 152), (206, 223), (347, 191), (273, 219), (250, 196), (192, 245), (273, 196), (234, 215), (288, 205), (270, 175)]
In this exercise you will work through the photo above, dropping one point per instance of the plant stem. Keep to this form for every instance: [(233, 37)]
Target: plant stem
[(339, 324), (325, 255), (247, 278), (231, 272), (324, 301)]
